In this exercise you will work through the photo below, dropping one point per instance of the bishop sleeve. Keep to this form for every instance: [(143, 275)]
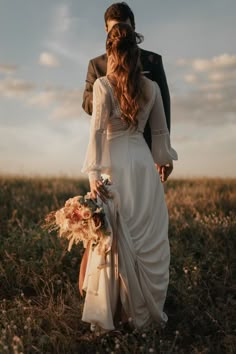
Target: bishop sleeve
[(162, 151), (97, 160)]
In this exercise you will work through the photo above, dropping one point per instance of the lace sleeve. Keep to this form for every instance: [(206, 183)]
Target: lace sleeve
[(162, 151), (97, 158)]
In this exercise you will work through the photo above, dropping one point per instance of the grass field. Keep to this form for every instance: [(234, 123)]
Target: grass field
[(40, 306)]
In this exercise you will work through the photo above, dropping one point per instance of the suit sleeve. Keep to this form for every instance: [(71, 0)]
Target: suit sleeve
[(88, 91), (159, 76)]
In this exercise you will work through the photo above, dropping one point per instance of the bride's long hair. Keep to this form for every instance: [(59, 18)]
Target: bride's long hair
[(122, 45)]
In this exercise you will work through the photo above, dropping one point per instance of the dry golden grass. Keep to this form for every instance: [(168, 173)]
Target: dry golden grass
[(40, 304)]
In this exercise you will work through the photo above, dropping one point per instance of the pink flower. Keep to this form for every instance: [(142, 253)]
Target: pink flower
[(76, 215), (72, 202), (86, 213)]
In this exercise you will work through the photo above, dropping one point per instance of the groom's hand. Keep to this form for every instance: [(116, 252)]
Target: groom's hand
[(165, 171)]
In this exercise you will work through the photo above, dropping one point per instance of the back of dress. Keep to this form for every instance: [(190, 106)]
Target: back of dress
[(107, 125), (116, 125)]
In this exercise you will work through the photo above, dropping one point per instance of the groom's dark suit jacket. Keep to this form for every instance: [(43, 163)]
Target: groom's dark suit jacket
[(153, 69)]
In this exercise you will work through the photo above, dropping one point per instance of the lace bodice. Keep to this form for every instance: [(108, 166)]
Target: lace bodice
[(106, 125)]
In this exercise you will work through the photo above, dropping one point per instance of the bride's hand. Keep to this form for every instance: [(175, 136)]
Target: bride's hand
[(97, 188), (165, 171)]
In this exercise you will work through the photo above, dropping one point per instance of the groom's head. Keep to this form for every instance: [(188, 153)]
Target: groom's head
[(118, 12)]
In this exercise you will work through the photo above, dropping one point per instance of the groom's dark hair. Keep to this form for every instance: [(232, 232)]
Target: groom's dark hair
[(121, 12)]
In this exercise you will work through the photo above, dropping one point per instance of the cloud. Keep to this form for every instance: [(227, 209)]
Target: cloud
[(65, 36), (223, 61), (216, 76), (7, 68), (62, 18), (190, 78), (48, 59), (63, 103), (43, 99), (210, 92), (69, 105), (15, 87), (63, 50), (182, 62), (203, 107)]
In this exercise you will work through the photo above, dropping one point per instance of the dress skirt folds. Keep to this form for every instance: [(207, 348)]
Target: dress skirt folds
[(136, 268)]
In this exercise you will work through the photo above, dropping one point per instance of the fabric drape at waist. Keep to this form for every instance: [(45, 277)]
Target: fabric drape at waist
[(127, 133)]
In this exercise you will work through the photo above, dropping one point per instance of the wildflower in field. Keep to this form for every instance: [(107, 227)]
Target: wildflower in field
[(185, 269)]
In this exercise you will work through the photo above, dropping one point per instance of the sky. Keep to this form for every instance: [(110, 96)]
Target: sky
[(45, 47)]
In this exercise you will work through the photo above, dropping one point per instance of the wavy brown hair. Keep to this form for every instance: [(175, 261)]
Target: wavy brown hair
[(122, 45)]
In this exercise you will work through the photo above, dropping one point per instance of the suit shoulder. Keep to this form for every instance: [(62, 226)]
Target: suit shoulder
[(100, 58), (154, 57)]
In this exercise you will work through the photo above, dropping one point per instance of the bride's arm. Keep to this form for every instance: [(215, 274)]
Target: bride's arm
[(97, 158), (162, 152)]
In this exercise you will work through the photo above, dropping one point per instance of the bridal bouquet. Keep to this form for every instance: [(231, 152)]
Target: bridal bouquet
[(80, 220)]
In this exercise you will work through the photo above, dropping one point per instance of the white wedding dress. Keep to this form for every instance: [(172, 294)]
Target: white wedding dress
[(136, 268)]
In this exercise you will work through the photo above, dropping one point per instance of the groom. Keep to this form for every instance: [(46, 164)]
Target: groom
[(152, 68)]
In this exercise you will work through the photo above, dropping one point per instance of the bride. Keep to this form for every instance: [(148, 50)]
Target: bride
[(134, 273)]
